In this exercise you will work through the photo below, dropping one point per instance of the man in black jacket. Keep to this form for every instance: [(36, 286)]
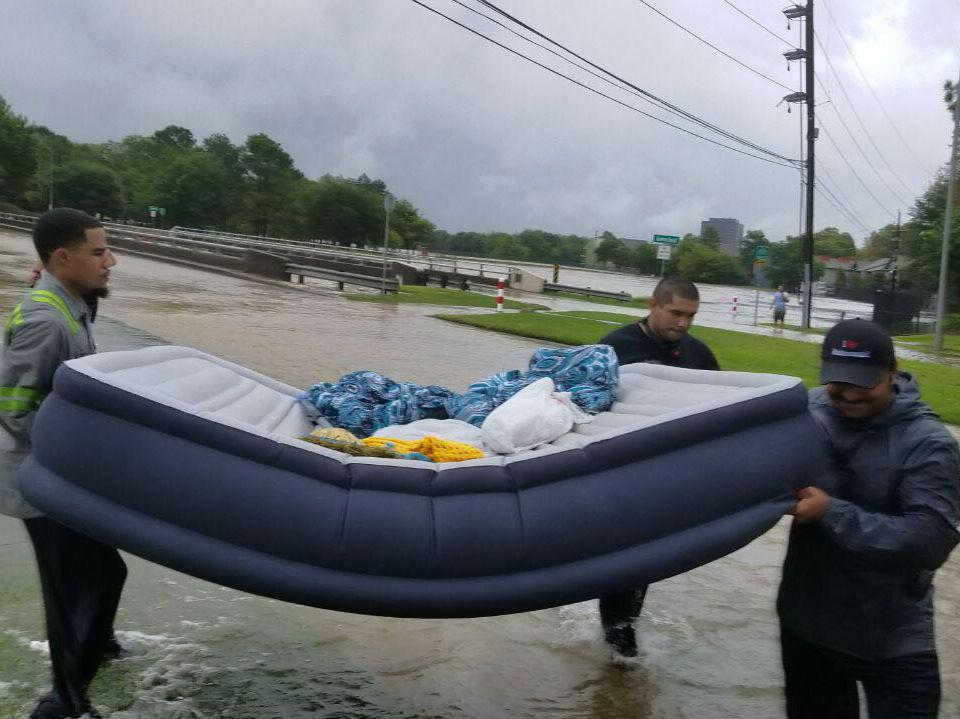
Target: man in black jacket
[(659, 338), (856, 600)]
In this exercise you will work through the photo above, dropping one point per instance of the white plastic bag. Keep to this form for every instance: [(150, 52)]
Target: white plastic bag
[(533, 416)]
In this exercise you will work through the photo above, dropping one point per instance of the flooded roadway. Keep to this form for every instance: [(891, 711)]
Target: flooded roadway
[(200, 651)]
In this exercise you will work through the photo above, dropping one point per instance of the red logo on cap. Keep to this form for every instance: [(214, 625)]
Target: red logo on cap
[(849, 344)]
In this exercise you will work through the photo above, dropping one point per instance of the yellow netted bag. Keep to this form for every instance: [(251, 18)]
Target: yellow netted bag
[(437, 449)]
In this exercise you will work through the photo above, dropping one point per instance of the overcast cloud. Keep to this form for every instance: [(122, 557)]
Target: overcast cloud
[(479, 139)]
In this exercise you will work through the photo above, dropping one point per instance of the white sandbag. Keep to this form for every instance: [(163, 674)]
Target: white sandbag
[(452, 429), (533, 416)]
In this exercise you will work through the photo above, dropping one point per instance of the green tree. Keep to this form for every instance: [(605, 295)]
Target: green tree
[(341, 211), (18, 156), (88, 186), (832, 243), (174, 137), (643, 258), (195, 192), (272, 180), (701, 263), (412, 229), (711, 238), (507, 247), (610, 249)]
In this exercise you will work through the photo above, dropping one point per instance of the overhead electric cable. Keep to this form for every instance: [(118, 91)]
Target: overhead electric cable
[(645, 93), (759, 24), (612, 83), (839, 192), (788, 162), (863, 154), (842, 207), (711, 45), (862, 125), (866, 82), (850, 167), (827, 195)]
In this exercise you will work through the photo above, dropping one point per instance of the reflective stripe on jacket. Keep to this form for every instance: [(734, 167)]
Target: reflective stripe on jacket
[(48, 327)]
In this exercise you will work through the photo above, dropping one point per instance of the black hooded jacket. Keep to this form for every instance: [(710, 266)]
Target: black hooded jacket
[(860, 580)]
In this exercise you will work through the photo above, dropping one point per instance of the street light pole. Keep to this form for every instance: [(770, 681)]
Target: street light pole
[(947, 225), (388, 204)]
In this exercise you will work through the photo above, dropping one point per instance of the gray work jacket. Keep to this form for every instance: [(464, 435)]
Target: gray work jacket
[(860, 580), (48, 327)]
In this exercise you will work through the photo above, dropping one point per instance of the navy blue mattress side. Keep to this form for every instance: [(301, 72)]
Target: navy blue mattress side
[(274, 519), (359, 593)]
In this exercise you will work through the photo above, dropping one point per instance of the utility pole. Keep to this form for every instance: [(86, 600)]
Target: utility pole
[(795, 12), (947, 225)]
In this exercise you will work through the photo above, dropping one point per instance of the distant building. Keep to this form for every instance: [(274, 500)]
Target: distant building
[(730, 232)]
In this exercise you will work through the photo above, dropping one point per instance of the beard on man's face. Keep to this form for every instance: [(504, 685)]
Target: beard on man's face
[(99, 293)]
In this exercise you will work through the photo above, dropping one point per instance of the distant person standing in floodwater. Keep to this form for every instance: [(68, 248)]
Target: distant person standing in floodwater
[(780, 300)]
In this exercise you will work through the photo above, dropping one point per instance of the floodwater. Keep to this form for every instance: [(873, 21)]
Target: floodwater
[(201, 651)]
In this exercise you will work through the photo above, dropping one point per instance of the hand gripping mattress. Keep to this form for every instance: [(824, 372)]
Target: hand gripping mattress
[(195, 463)]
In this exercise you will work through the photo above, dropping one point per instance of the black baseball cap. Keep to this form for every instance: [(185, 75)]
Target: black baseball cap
[(856, 352)]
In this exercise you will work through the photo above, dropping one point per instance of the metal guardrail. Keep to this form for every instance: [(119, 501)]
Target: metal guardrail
[(622, 296), (341, 278)]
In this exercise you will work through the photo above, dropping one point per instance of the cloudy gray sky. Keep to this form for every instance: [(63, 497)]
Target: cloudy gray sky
[(479, 139)]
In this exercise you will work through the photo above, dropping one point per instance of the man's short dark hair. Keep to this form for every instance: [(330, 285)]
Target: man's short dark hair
[(670, 287), (61, 227)]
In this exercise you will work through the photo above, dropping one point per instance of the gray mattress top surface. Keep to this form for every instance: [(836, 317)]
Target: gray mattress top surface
[(217, 390)]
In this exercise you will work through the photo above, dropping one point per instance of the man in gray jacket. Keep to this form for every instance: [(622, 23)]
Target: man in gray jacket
[(856, 600), (81, 579)]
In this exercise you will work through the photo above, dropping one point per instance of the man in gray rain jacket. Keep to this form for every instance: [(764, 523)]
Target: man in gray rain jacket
[(856, 600), (81, 579)]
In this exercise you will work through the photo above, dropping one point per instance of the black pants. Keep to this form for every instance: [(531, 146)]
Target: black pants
[(81, 581), (822, 683), (622, 608)]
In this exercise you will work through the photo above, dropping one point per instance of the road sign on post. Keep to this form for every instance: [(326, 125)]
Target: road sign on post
[(664, 251), (666, 240), (761, 253)]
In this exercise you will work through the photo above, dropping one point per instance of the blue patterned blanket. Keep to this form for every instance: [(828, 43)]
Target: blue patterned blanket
[(363, 402)]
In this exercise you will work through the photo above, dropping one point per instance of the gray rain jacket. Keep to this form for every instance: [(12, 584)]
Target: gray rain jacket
[(47, 328), (860, 580)]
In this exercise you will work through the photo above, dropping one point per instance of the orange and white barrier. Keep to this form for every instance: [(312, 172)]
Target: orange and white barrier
[(500, 283)]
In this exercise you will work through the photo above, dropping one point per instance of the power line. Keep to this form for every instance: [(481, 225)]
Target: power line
[(711, 45), (787, 161), (872, 92), (841, 206), (828, 196), (839, 192), (620, 86), (862, 125), (759, 24), (855, 173), (857, 145), (627, 83)]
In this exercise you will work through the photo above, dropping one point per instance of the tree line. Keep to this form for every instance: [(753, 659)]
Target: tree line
[(255, 188)]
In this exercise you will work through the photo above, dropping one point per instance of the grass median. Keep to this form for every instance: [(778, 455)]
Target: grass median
[(416, 294), (737, 351)]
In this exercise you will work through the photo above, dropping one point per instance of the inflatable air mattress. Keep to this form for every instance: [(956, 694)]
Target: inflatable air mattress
[(195, 463)]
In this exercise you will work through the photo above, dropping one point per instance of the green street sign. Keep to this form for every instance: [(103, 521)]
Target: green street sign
[(761, 253), (666, 240), (154, 211)]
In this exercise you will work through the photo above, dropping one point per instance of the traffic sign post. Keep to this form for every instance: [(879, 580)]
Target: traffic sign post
[(663, 254)]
